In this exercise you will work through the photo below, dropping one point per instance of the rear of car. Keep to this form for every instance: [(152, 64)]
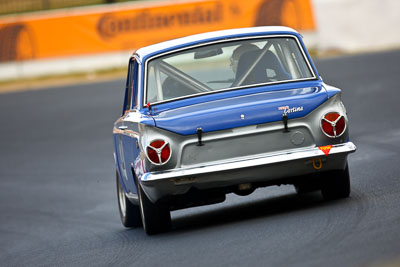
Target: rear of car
[(231, 112)]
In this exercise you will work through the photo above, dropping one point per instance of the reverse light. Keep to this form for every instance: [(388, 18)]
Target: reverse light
[(333, 124), (158, 152)]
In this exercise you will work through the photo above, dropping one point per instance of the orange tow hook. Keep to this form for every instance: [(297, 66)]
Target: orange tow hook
[(315, 165)]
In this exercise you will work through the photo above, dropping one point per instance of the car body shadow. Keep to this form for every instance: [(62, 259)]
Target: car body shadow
[(263, 208)]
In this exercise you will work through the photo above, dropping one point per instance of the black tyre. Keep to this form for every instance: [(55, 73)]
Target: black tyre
[(156, 218), (336, 185), (129, 213)]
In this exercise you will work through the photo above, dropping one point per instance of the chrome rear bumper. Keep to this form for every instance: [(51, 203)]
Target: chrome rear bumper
[(265, 167)]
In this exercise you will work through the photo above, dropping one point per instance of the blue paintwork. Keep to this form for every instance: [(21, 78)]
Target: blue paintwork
[(116, 154), (129, 151), (331, 91), (117, 163), (226, 113), (147, 120)]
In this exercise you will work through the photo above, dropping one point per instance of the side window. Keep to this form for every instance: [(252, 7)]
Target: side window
[(130, 87)]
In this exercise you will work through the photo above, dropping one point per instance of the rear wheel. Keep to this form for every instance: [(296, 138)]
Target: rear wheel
[(129, 213), (336, 185), (156, 217)]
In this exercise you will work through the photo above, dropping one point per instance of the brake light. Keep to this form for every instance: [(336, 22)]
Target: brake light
[(158, 152), (333, 124)]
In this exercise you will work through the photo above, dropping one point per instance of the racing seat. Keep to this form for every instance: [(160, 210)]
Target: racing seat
[(268, 69)]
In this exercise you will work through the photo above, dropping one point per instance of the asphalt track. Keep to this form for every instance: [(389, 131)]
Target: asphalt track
[(58, 203)]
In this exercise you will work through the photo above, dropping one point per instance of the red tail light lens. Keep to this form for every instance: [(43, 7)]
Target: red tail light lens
[(333, 124), (158, 152), (327, 128)]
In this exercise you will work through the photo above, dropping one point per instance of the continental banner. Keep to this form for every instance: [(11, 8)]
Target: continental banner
[(112, 28)]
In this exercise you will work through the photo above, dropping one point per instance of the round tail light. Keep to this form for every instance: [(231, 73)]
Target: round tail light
[(158, 152), (333, 124)]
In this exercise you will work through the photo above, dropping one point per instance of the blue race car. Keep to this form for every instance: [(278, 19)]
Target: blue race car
[(225, 112)]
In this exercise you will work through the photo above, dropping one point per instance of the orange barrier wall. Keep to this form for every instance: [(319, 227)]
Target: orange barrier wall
[(128, 27)]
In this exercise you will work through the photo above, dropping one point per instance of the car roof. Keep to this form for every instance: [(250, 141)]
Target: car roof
[(211, 36)]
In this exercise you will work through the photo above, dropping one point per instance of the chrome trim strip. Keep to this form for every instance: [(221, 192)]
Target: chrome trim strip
[(233, 88), (136, 56), (296, 154), (129, 133)]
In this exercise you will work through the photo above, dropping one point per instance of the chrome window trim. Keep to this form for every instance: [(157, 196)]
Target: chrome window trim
[(140, 97), (314, 76)]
